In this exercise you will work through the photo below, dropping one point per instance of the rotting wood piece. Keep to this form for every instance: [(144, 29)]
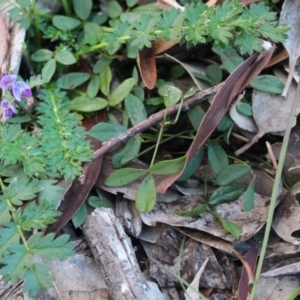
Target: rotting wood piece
[(114, 253)]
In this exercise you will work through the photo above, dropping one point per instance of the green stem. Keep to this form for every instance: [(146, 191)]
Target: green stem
[(10, 205), (169, 137), (36, 24), (67, 8), (162, 126), (275, 192)]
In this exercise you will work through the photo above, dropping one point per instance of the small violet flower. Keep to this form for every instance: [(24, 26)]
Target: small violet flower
[(18, 89), (21, 90), (8, 109)]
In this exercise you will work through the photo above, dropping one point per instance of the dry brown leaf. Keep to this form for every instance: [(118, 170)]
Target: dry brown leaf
[(160, 45), (286, 218), (250, 222), (147, 66), (278, 288), (279, 57), (288, 269), (191, 292), (290, 15), (244, 288)]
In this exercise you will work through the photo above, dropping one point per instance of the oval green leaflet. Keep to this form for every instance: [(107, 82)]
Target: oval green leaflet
[(217, 157), (226, 193), (124, 176), (168, 167), (72, 80), (146, 195), (232, 173), (121, 91)]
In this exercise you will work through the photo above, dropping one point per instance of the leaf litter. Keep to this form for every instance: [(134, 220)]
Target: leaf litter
[(196, 249)]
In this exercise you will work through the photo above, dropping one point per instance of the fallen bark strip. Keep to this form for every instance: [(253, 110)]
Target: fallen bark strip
[(156, 118), (114, 253)]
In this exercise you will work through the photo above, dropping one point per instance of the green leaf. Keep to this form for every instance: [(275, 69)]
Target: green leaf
[(225, 194), (244, 108), (146, 195), (15, 263), (9, 236), (217, 157), (195, 115), (37, 278), (48, 70), (92, 33), (268, 84), (249, 195), (50, 191), (131, 3), (65, 58), (101, 64), (80, 216), (37, 216), (247, 42), (98, 202), (49, 247), (128, 153), (42, 55), (124, 176), (65, 23), (168, 167), (229, 57), (4, 211), (214, 73), (105, 131), (82, 8), (170, 93), (232, 173), (135, 109), (231, 227), (192, 165), (72, 80), (114, 9), (195, 212), (22, 188), (121, 91), (105, 79), (225, 123), (93, 87), (86, 104)]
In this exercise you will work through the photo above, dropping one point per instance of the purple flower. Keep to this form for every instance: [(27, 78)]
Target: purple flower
[(8, 109), (18, 89), (7, 81), (21, 90)]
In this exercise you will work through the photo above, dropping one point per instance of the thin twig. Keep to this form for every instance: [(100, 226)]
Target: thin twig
[(271, 155), (156, 118)]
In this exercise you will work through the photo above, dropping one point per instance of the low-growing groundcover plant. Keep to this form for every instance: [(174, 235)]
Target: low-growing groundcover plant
[(41, 137)]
